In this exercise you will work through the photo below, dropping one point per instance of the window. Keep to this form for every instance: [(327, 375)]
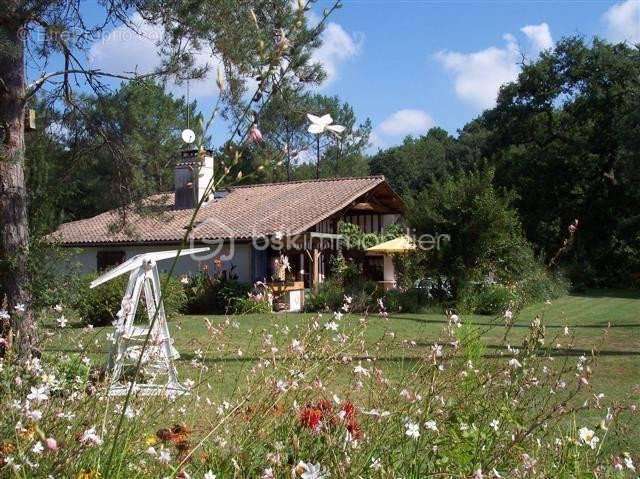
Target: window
[(109, 259)]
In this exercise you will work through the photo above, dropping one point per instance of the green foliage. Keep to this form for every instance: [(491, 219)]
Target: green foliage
[(249, 305), (485, 245), (418, 162), (51, 284), (565, 138), (332, 295), (284, 124), (329, 297), (99, 306), (484, 233), (215, 293), (413, 300), (490, 299), (356, 239)]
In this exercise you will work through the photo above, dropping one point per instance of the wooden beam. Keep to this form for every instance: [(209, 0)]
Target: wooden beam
[(315, 279)]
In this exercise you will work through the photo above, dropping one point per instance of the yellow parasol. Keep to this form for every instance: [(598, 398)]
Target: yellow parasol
[(402, 244)]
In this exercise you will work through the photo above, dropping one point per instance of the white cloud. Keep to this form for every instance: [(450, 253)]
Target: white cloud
[(406, 122), (539, 35), (623, 22), (478, 75), (124, 50), (398, 125), (338, 46)]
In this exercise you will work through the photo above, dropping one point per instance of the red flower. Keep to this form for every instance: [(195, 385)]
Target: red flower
[(324, 405), (349, 410), (311, 417), (354, 428)]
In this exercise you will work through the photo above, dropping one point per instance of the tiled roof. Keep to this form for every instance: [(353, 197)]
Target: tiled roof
[(245, 212)]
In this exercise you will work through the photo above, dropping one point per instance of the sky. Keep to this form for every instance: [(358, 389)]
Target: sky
[(409, 65)]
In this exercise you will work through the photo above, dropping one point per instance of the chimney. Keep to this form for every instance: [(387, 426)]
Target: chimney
[(192, 175)]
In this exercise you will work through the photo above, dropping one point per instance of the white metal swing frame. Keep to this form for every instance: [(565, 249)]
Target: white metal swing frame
[(129, 340)]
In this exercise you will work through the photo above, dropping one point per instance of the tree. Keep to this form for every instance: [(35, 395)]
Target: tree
[(284, 125), (418, 162), (265, 40), (144, 121), (566, 138), (485, 233)]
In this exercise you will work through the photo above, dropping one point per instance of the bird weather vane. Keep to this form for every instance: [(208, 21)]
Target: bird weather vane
[(319, 125)]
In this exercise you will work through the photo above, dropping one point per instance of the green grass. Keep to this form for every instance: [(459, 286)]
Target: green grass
[(587, 316)]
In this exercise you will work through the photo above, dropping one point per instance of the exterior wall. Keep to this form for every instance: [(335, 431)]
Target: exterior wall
[(368, 223), (86, 259)]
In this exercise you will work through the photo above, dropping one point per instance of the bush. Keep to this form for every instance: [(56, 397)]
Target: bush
[(99, 306), (329, 297), (250, 305), (486, 249), (494, 298), (413, 300), (486, 298), (213, 294)]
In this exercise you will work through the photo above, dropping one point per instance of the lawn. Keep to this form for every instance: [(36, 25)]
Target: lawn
[(588, 316), (235, 344)]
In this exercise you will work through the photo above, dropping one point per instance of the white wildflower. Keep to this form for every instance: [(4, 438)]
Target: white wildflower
[(412, 429), (311, 471), (361, 370), (38, 394), (34, 415), (164, 457), (431, 424), (332, 326), (514, 363), (91, 437), (628, 462), (588, 437)]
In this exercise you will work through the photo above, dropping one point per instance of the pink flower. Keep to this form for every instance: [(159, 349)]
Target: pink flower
[(573, 227), (51, 443), (255, 135)]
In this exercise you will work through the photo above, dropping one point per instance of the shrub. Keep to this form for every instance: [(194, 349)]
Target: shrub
[(486, 298), (329, 297), (250, 305), (486, 246), (99, 306), (413, 300), (213, 294)]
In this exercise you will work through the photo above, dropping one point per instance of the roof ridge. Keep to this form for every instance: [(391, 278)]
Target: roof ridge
[(314, 180)]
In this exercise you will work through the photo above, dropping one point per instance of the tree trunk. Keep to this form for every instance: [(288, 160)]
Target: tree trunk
[(20, 332)]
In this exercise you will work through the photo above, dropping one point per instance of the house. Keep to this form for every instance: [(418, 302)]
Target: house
[(248, 228)]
